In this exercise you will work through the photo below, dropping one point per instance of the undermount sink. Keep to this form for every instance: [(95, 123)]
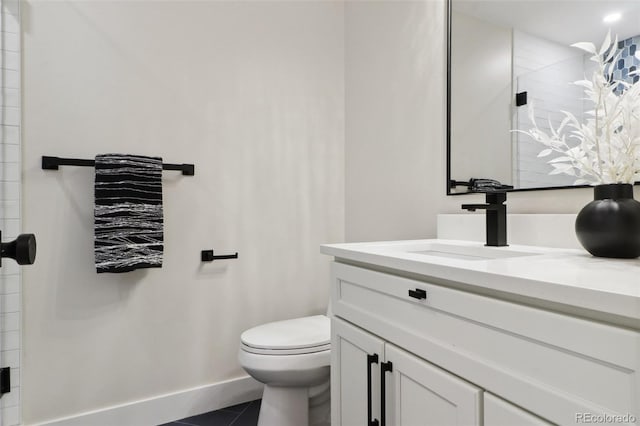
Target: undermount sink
[(462, 251)]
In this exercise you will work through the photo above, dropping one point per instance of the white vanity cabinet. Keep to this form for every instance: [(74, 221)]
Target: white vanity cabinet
[(355, 354), (459, 357), (369, 374), (498, 412)]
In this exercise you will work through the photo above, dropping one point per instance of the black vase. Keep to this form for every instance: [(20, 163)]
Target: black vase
[(609, 226)]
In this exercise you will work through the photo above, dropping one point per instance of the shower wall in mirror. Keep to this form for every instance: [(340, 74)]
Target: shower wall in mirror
[(507, 55)]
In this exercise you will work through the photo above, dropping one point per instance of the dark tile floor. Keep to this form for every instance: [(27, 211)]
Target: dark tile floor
[(239, 415)]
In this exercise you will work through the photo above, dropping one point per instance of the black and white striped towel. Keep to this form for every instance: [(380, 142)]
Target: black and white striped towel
[(128, 212)]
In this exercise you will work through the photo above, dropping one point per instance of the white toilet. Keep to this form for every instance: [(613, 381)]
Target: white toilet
[(292, 359)]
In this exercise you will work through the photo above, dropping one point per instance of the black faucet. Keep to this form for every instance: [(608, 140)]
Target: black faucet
[(496, 218)]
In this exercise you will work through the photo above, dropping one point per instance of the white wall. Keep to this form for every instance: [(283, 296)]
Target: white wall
[(10, 222), (253, 94), (394, 115)]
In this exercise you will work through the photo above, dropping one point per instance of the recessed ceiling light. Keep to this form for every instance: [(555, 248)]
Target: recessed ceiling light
[(612, 17)]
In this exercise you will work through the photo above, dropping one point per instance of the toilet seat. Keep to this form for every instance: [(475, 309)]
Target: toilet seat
[(290, 337), (290, 351)]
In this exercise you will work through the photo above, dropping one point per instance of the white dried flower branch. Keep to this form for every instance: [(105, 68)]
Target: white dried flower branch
[(605, 148)]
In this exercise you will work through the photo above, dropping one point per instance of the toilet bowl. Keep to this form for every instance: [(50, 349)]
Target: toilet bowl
[(292, 359)]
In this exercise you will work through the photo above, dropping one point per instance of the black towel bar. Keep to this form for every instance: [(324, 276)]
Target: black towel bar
[(207, 256), (53, 163)]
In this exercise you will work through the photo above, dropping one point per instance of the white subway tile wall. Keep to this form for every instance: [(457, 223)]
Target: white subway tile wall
[(544, 70), (10, 222)]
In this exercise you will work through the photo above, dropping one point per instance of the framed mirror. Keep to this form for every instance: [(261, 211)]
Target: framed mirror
[(503, 56)]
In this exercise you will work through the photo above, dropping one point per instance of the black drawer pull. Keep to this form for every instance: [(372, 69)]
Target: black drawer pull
[(418, 294)]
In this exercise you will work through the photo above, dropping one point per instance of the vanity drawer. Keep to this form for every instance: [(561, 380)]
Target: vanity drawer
[(552, 364)]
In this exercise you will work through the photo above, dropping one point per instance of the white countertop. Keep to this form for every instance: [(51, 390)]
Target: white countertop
[(566, 276)]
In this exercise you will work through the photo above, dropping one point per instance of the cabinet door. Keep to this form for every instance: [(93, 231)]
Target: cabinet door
[(421, 394), (355, 377), (498, 412)]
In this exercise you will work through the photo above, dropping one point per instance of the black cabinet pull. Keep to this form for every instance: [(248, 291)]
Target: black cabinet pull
[(384, 367), (418, 293), (371, 359)]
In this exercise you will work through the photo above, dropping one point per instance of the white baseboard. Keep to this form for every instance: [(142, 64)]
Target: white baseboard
[(168, 407)]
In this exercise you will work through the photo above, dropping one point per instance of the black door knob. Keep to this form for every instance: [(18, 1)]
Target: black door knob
[(22, 249)]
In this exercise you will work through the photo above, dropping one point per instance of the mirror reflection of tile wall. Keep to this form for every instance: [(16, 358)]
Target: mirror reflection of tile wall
[(628, 62), (544, 69)]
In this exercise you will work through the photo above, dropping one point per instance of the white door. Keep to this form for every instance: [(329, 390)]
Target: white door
[(498, 412), (421, 394), (355, 375)]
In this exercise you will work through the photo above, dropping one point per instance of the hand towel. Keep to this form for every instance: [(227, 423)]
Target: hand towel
[(128, 212)]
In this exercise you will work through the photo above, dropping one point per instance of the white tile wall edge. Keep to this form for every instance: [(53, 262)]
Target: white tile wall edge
[(546, 230), (169, 407), (10, 205)]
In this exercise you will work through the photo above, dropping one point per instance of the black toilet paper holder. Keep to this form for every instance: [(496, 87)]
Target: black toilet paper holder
[(208, 256)]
